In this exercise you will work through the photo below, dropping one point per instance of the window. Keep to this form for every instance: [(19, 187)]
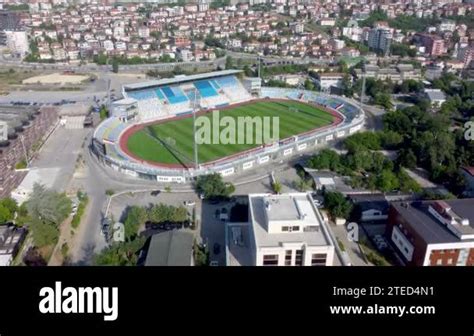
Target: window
[(270, 260), (285, 228), (295, 228), (288, 255), (299, 258), (318, 259), (439, 261)]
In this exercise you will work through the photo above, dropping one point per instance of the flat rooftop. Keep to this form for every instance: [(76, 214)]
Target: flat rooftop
[(179, 79), (264, 239), (432, 230), (284, 208)]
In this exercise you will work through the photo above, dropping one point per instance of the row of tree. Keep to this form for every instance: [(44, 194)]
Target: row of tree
[(366, 165), (126, 253)]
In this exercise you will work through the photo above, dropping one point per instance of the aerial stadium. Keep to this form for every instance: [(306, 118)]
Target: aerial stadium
[(151, 132)]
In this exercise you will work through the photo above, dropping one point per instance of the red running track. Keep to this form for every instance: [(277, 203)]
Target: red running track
[(135, 128)]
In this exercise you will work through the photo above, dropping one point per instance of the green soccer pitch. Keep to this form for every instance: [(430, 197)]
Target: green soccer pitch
[(171, 142)]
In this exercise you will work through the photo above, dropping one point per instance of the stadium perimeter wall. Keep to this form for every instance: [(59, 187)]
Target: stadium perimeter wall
[(241, 162)]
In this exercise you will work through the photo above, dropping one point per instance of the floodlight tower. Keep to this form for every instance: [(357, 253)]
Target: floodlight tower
[(108, 95), (259, 66), (22, 140), (195, 108), (362, 91)]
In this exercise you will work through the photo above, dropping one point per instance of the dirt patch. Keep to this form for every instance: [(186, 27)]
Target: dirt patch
[(56, 78)]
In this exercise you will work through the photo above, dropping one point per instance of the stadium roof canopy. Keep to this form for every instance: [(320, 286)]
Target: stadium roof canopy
[(179, 79)]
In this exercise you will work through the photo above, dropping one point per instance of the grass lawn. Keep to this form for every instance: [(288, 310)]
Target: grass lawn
[(172, 142)]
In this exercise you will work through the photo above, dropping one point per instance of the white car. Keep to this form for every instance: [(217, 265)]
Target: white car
[(214, 263)]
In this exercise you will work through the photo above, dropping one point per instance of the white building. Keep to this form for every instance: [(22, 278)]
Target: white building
[(17, 42), (185, 55), (44, 176), (447, 25), (144, 32), (435, 96), (283, 230), (125, 109), (327, 80), (3, 130)]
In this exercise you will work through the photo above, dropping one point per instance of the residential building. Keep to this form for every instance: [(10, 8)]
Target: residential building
[(433, 44), (326, 80), (283, 230), (290, 79), (466, 55), (380, 39), (169, 248), (397, 73), (17, 42), (3, 130), (185, 55), (433, 233), (8, 21), (435, 96), (370, 207), (11, 238)]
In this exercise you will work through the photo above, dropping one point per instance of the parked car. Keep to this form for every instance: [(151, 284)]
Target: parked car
[(106, 228), (380, 242), (216, 248), (155, 192), (214, 263)]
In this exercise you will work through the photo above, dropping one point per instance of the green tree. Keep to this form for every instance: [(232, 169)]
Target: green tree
[(383, 99), (277, 187), (363, 140), (407, 158), (229, 62), (115, 65), (47, 210), (120, 254), (337, 205), (390, 139), (10, 205), (326, 159), (309, 85), (387, 181), (179, 214), (135, 217), (212, 186), (103, 112), (5, 214), (407, 184), (303, 184)]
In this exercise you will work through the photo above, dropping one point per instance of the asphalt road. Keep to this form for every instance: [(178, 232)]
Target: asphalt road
[(61, 151)]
